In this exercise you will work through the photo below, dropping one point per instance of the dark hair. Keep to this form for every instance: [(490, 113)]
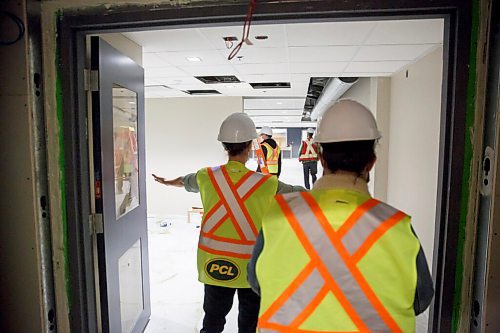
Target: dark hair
[(351, 156), (234, 149), (309, 135)]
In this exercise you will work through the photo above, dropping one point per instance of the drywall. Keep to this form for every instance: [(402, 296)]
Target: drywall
[(414, 145), (20, 278), (181, 137)]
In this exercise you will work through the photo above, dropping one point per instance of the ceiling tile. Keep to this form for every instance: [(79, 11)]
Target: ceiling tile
[(322, 53), (153, 72), (170, 40), (407, 32), (151, 59), (273, 103), (262, 68), (254, 55), (297, 112), (177, 81), (375, 66), (210, 70), (275, 33), (310, 67), (328, 33), (392, 52), (208, 58)]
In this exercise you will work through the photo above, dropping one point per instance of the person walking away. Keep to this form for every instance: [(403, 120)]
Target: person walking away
[(309, 157), (234, 202), (271, 151), (357, 265)]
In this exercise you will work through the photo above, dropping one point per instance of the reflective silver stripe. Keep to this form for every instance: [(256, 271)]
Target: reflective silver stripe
[(335, 264), (299, 300), (213, 219), (366, 225), (249, 183), (234, 206), (226, 246), (267, 330)]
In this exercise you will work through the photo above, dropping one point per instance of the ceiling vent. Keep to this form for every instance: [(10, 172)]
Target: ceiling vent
[(270, 85), (333, 90), (218, 79), (202, 92)]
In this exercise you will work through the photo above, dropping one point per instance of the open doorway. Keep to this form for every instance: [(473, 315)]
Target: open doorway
[(444, 121), (394, 67)]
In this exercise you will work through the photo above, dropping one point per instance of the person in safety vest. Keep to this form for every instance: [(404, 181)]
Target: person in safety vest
[(234, 202), (271, 151), (335, 259), (309, 157)]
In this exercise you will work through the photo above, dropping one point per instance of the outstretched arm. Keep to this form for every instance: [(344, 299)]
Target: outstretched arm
[(177, 182), (188, 182)]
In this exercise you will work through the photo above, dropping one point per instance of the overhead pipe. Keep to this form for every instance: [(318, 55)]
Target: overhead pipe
[(334, 89)]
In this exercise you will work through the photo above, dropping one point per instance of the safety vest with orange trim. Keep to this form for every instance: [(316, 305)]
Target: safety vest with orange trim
[(308, 151), (272, 157), (234, 201), (353, 267)]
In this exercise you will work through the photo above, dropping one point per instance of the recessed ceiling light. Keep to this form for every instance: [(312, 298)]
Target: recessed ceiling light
[(283, 111), (193, 59), (131, 102), (279, 103)]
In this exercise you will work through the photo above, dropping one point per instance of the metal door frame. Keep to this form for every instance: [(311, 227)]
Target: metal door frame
[(76, 24)]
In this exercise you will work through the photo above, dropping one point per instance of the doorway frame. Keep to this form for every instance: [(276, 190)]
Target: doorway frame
[(75, 24)]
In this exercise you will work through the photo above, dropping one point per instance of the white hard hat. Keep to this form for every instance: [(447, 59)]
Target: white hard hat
[(236, 128), (347, 120), (266, 130), (310, 130)]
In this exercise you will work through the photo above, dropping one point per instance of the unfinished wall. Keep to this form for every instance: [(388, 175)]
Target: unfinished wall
[(20, 280), (181, 137), (414, 144)]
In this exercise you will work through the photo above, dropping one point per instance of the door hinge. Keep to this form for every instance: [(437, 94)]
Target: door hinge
[(96, 224), (91, 80)]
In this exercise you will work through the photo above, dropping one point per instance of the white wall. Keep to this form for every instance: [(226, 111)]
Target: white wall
[(360, 91), (414, 144), (181, 137)]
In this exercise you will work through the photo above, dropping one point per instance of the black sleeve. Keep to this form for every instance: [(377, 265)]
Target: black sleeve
[(251, 274), (279, 164), (425, 287)]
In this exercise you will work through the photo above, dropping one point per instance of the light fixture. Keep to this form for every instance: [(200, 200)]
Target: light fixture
[(229, 86), (131, 102), (193, 59), (279, 103)]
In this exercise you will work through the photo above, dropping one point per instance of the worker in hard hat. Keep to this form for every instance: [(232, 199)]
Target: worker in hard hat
[(234, 202), (357, 264), (308, 155), (271, 151)]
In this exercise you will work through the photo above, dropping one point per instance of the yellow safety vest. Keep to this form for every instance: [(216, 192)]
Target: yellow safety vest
[(336, 260), (234, 202), (272, 157)]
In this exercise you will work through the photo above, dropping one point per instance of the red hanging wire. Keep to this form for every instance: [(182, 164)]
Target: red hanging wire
[(246, 29)]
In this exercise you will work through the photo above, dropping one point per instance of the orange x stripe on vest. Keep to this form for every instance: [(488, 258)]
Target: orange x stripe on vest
[(333, 266), (231, 206)]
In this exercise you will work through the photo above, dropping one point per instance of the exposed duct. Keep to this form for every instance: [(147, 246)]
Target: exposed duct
[(334, 89)]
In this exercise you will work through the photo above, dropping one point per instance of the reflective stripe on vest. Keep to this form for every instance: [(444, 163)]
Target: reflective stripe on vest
[(308, 152), (333, 266), (272, 154), (231, 205)]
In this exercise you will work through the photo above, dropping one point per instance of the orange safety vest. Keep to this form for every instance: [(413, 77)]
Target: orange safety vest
[(308, 151), (333, 267)]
